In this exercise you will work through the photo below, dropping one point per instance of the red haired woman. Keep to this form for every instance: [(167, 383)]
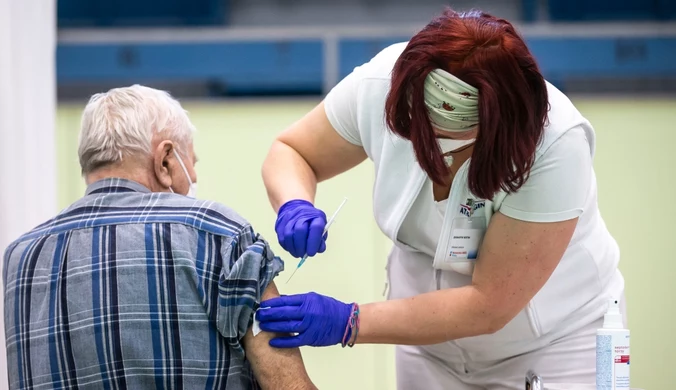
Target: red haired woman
[(484, 183)]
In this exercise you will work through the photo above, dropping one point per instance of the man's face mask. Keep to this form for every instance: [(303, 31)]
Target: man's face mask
[(192, 190)]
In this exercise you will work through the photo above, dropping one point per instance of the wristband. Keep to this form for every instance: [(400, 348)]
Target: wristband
[(351, 327)]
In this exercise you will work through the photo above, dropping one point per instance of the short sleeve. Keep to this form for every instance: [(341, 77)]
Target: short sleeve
[(559, 183), (249, 266), (341, 105)]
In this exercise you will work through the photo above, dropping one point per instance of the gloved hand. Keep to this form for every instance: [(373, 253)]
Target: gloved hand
[(319, 320), (300, 227)]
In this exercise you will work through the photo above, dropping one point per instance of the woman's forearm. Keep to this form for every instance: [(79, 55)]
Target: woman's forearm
[(429, 318), (287, 176)]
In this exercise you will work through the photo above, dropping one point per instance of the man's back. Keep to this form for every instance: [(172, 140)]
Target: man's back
[(132, 289)]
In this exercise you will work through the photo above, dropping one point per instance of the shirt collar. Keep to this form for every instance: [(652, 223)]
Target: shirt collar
[(111, 185)]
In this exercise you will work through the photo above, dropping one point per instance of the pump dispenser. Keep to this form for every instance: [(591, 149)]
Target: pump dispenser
[(613, 318), (612, 351)]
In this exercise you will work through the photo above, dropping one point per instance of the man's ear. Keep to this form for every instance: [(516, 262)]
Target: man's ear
[(164, 163)]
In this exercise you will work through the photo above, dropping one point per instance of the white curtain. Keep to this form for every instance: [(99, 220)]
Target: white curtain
[(28, 193)]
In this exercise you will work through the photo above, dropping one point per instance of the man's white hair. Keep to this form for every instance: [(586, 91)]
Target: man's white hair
[(123, 121)]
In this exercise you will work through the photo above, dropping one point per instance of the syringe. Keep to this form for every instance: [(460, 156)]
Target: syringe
[(326, 229)]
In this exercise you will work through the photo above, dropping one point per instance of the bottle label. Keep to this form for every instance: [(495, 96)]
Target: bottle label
[(604, 355), (621, 363), (612, 362)]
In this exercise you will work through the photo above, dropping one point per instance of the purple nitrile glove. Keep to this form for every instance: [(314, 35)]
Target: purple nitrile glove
[(318, 320), (300, 227)]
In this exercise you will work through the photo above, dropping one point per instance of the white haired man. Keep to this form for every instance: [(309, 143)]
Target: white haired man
[(139, 285)]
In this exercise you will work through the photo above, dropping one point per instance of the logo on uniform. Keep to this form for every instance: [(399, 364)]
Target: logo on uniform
[(471, 206)]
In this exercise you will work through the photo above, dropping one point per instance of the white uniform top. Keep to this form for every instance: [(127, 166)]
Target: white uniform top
[(561, 186)]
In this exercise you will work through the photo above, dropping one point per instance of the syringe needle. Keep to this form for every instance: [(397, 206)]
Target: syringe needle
[(293, 273)]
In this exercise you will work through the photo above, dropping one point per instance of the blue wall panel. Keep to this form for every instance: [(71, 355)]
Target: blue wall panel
[(601, 57), (247, 64), (562, 57), (278, 67)]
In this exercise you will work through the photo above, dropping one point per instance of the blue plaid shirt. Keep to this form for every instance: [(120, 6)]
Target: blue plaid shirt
[(128, 289)]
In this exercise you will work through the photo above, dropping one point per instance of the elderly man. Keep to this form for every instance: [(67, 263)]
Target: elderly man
[(138, 284)]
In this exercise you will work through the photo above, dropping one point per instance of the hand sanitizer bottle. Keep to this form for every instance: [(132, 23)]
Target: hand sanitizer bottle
[(612, 351)]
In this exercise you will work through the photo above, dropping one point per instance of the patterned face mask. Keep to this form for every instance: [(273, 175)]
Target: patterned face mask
[(453, 105)]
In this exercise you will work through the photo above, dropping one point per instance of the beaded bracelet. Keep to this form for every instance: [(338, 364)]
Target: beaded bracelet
[(352, 326)]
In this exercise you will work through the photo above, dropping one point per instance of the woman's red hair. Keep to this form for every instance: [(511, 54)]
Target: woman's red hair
[(487, 53)]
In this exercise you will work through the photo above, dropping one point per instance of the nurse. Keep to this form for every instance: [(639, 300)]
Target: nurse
[(484, 183)]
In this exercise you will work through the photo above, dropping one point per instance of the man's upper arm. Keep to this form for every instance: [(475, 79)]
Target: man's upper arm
[(249, 267), (275, 368)]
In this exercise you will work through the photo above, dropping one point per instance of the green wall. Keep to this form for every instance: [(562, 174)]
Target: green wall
[(635, 154)]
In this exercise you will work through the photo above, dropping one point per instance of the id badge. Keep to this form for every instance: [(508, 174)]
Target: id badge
[(467, 234), (466, 237)]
